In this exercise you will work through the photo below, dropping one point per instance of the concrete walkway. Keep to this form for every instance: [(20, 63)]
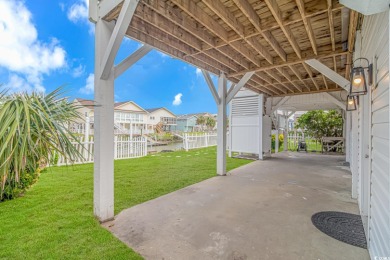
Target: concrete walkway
[(260, 211)]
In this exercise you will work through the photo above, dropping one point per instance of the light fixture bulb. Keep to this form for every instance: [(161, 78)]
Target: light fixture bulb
[(350, 102), (357, 80)]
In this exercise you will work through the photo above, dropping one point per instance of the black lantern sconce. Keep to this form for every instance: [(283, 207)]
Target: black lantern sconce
[(358, 78), (351, 103)]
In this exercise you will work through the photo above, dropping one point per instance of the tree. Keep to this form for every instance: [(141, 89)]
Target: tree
[(210, 123), (33, 130), (201, 121), (320, 123)]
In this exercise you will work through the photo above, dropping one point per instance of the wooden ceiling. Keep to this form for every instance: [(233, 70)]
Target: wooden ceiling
[(271, 37)]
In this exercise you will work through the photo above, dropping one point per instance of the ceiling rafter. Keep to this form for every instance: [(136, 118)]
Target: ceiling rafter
[(286, 75), (254, 18), (222, 12), (275, 10), (307, 24), (310, 73), (298, 74), (191, 9), (331, 24)]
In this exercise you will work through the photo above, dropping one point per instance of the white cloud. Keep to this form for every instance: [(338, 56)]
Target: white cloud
[(177, 101), (78, 13), (78, 71), (198, 72), (22, 54), (89, 85)]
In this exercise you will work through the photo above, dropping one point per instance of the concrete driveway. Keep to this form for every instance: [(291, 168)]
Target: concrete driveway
[(259, 211)]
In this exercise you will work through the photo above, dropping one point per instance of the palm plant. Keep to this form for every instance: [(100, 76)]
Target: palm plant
[(33, 129)]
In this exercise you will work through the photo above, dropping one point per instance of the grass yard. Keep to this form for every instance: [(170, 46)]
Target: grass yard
[(54, 220)]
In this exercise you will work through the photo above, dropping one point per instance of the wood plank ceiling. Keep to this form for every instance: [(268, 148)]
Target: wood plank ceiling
[(271, 37)]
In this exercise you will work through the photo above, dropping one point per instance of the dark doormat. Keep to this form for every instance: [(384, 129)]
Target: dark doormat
[(344, 227)]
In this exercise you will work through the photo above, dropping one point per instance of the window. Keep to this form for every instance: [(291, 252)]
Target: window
[(152, 118)]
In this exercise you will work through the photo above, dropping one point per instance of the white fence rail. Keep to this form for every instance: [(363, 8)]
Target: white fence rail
[(311, 143), (124, 148), (199, 140)]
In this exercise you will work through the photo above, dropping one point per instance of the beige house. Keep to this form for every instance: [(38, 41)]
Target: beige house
[(130, 118), (162, 117)]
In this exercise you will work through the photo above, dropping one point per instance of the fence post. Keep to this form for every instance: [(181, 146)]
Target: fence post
[(86, 130), (186, 141), (206, 139), (115, 147)]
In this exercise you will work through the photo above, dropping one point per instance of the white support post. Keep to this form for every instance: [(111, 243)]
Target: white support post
[(87, 129), (348, 137), (221, 130), (230, 130), (104, 130), (285, 139), (261, 130)]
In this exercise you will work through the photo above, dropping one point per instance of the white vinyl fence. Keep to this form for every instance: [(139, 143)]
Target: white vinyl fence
[(124, 148), (311, 143), (199, 140)]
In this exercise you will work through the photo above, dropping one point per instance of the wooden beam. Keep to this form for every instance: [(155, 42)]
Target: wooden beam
[(353, 21), (238, 86), (254, 18), (292, 60), (277, 14), (125, 16), (331, 25), (325, 82), (330, 74), (217, 7), (211, 86), (307, 24), (310, 73), (298, 74), (131, 60), (191, 9), (278, 80), (288, 77), (310, 92)]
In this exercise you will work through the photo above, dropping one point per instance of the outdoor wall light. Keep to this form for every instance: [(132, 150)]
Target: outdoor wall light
[(351, 103), (358, 78)]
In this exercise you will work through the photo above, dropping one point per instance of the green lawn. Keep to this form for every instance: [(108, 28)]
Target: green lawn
[(54, 220)]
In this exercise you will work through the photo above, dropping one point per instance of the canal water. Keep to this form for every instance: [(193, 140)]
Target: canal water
[(172, 146)]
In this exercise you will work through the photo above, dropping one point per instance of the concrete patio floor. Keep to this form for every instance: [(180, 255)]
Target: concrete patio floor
[(259, 211)]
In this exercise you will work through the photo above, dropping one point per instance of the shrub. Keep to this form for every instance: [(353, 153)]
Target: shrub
[(281, 138)]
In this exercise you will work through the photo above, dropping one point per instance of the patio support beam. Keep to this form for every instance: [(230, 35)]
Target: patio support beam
[(103, 128), (279, 104), (222, 123), (131, 59), (210, 84), (125, 16), (329, 73), (334, 100), (233, 91)]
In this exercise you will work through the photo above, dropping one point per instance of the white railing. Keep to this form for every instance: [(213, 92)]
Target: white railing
[(124, 148), (311, 143), (199, 140)]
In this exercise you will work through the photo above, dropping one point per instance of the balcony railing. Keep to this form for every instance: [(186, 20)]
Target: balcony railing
[(168, 120)]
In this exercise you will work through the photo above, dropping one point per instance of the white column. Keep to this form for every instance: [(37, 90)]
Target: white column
[(230, 129), (261, 130), (285, 139), (104, 130), (347, 146), (221, 130)]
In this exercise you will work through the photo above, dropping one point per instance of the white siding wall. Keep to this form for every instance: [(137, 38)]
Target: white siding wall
[(375, 47)]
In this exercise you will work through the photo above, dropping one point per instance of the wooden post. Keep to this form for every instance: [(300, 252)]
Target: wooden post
[(221, 130), (104, 130)]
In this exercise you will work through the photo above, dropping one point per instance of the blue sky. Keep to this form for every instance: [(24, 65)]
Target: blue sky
[(45, 44)]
